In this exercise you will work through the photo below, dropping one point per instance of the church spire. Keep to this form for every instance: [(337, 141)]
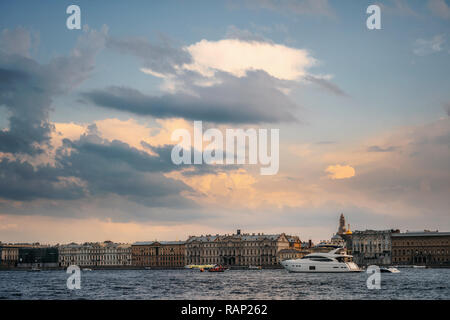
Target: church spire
[(341, 229)]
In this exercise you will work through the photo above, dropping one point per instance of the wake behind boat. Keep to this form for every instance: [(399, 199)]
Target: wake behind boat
[(322, 262)]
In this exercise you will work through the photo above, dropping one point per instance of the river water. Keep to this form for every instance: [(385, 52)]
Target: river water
[(232, 284)]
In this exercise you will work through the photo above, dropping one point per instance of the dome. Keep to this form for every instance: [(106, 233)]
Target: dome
[(336, 237), (348, 230)]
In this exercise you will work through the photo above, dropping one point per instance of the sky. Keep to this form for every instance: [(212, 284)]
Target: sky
[(86, 117)]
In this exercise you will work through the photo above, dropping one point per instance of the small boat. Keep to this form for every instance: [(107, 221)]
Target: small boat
[(217, 269), (148, 268), (390, 270), (199, 266), (34, 270), (419, 267), (87, 269), (254, 267)]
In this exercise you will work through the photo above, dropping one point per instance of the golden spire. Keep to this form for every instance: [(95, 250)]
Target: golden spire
[(348, 230)]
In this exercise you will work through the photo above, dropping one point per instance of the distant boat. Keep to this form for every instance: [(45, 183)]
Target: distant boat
[(217, 269), (390, 270), (419, 267), (199, 266), (34, 269), (254, 267), (148, 268), (87, 269)]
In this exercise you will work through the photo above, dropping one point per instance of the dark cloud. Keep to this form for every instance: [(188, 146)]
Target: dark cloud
[(91, 167), (328, 85), (447, 108), (250, 99), (380, 149), (19, 180), (27, 87), (161, 57), (113, 167)]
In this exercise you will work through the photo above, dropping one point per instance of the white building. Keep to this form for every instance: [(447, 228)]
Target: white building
[(372, 247), (105, 254), (240, 249)]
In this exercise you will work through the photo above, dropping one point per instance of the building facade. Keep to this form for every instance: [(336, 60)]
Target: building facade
[(41, 257), (105, 254), (287, 254), (159, 254), (421, 248), (10, 253), (237, 249), (372, 247)]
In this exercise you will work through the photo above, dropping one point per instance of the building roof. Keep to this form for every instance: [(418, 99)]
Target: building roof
[(242, 237), (148, 243), (421, 234)]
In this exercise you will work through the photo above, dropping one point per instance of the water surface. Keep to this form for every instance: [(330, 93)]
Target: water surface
[(232, 284)]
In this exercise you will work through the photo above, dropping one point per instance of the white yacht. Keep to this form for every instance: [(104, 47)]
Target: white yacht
[(322, 262)]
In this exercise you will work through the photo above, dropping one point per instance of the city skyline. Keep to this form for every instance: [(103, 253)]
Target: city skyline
[(86, 118)]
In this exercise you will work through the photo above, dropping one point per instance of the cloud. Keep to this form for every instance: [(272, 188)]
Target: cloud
[(425, 47), (95, 167), (27, 87), (23, 182), (411, 183), (398, 8), (447, 108), (225, 81), (18, 41), (326, 84), (237, 57), (161, 58), (340, 172), (249, 99), (216, 64), (439, 8), (380, 149), (244, 35)]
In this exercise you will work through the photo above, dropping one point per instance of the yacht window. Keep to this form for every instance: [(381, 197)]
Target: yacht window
[(323, 259), (312, 267), (313, 257)]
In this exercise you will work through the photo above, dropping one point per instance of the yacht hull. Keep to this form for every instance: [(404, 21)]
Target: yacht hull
[(299, 266)]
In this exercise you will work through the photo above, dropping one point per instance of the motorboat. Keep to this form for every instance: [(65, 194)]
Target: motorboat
[(390, 270), (322, 262), (217, 268)]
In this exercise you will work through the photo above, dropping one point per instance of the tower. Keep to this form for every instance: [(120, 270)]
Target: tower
[(341, 229)]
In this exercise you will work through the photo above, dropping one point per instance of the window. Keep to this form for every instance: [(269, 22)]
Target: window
[(312, 267)]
